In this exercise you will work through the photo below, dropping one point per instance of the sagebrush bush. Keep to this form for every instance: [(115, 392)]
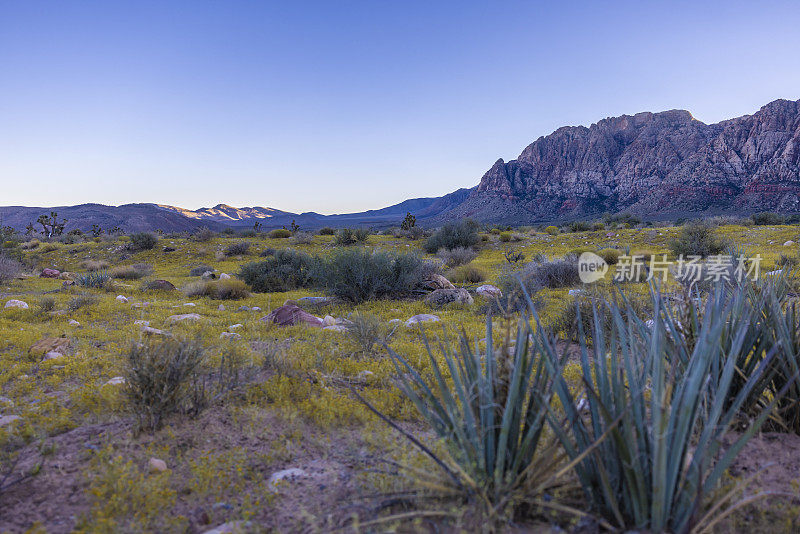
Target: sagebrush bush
[(94, 265), (159, 379), (143, 241), (610, 255), (466, 274), (327, 230), (457, 256), (132, 272), (218, 289), (349, 236), (697, 239), (359, 275), (204, 234), (552, 274), (368, 330), (279, 233), (505, 237), (302, 238), (285, 270), (47, 304), (579, 226), (9, 268), (552, 230), (241, 248), (462, 233), (81, 301)]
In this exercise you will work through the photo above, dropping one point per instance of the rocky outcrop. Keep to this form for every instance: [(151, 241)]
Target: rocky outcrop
[(648, 163)]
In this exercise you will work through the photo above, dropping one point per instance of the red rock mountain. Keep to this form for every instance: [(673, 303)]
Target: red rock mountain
[(656, 164)]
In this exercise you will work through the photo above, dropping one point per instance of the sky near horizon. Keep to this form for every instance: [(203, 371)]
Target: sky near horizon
[(344, 106)]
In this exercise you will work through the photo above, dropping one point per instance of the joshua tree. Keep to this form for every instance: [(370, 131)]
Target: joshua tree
[(50, 225), (409, 222)]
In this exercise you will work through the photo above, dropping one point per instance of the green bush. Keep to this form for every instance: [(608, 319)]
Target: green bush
[(200, 270), (327, 230), (349, 236), (358, 275), (279, 233), (466, 274), (579, 226), (241, 248), (696, 239), (767, 218), (368, 330), (284, 271), (452, 235), (457, 256), (9, 268), (218, 289), (143, 241), (610, 255), (204, 234), (552, 230), (505, 237), (132, 272)]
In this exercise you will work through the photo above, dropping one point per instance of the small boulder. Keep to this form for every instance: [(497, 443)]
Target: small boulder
[(172, 319), (122, 298), (231, 527), (788, 243), (488, 291), (442, 297), (335, 328), (155, 466), (224, 276), (437, 281), (150, 331), (328, 320), (290, 314), (50, 273), (313, 300), (422, 318), (66, 276), (221, 307), (208, 275), (73, 322), (141, 322), (13, 303), (243, 308), (50, 344), (116, 381), (287, 475), (53, 355), (230, 335)]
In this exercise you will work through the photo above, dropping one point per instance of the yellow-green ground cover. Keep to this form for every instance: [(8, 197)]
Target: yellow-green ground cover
[(292, 408)]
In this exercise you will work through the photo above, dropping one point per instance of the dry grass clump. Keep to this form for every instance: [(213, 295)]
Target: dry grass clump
[(229, 289), (9, 268), (95, 265), (237, 249), (81, 301), (279, 233), (302, 238), (466, 274), (132, 272), (457, 256), (200, 270)]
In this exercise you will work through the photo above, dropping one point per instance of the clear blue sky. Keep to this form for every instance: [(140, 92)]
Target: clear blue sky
[(342, 106)]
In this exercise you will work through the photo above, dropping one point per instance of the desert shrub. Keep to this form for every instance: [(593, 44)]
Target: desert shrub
[(498, 453), (229, 289), (590, 308), (279, 233), (200, 270), (552, 230), (160, 379), (47, 304), (623, 219), (610, 255), (453, 235), (767, 218), (513, 256), (143, 241), (787, 261), (598, 225), (30, 245), (204, 234), (94, 265), (302, 238), (285, 270), (359, 275), (9, 268), (248, 233), (81, 301), (579, 226), (466, 274), (456, 256), (505, 237), (346, 237), (132, 272), (368, 330), (696, 239), (96, 280), (269, 251), (552, 274), (414, 233), (327, 230), (241, 248)]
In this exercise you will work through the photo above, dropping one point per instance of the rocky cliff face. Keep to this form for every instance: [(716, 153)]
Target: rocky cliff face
[(650, 163)]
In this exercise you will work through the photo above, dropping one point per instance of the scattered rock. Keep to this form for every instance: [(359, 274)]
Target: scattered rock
[(335, 328), (422, 318), (66, 276), (243, 308), (437, 281), (172, 319), (221, 307), (208, 275), (116, 381), (788, 243), (575, 292), (231, 527), (8, 419), (489, 291), (442, 297), (154, 466), (53, 355), (235, 326), (50, 273), (328, 320), (230, 335), (190, 304), (50, 344), (288, 475), (290, 314), (13, 303), (255, 308), (313, 300), (150, 331), (122, 298), (73, 322), (224, 276), (141, 322)]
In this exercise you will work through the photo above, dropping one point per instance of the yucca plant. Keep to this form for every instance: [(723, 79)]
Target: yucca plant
[(96, 279), (663, 409), (490, 413)]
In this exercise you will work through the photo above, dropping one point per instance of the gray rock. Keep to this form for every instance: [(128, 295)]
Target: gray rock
[(442, 297), (422, 318)]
